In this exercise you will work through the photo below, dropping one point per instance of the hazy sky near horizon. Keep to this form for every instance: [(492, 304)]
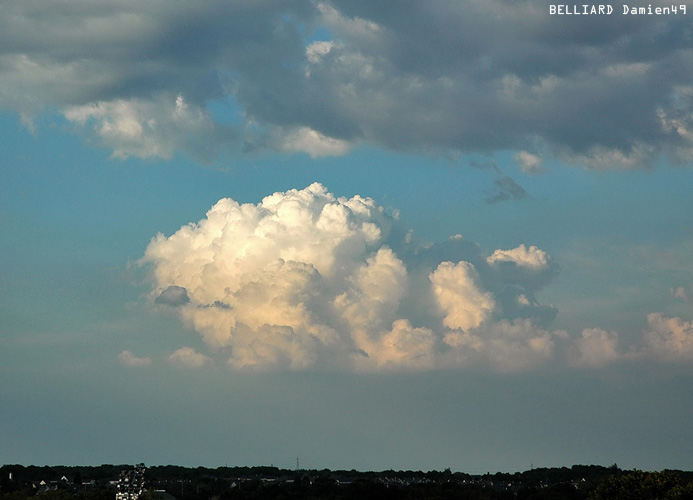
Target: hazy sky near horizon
[(442, 234)]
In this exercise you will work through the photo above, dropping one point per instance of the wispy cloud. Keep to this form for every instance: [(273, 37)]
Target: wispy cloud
[(679, 293), (506, 189), (127, 358), (528, 162)]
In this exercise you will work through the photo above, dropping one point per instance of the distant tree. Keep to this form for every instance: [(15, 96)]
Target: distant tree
[(639, 485), (101, 493), (19, 494), (56, 495), (151, 494)]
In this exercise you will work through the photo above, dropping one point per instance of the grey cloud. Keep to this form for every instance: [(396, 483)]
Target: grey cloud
[(512, 274), (173, 296), (506, 189), (604, 92), (517, 302), (586, 89), (485, 165)]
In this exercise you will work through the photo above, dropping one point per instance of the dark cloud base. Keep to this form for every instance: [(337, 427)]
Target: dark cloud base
[(599, 91)]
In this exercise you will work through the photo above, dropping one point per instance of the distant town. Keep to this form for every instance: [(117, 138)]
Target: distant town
[(138, 482)]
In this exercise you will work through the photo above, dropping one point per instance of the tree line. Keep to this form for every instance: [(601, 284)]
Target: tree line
[(580, 482)]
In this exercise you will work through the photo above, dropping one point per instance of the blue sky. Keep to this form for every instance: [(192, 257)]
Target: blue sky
[(429, 247)]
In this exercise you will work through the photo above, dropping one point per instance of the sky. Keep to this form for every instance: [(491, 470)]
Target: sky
[(437, 234)]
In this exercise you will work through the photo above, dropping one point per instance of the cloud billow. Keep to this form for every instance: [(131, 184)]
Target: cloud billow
[(462, 77)]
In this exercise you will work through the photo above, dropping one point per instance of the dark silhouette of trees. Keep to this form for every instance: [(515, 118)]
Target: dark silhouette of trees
[(580, 482), (639, 485)]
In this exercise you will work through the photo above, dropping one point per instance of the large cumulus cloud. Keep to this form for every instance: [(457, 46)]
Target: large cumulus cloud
[(147, 79), (305, 279)]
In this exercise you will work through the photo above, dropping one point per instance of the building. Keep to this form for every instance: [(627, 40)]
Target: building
[(131, 483)]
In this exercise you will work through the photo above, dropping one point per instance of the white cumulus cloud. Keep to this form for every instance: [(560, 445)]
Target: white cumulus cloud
[(529, 258), (145, 128), (308, 280), (307, 140), (280, 282), (463, 304)]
